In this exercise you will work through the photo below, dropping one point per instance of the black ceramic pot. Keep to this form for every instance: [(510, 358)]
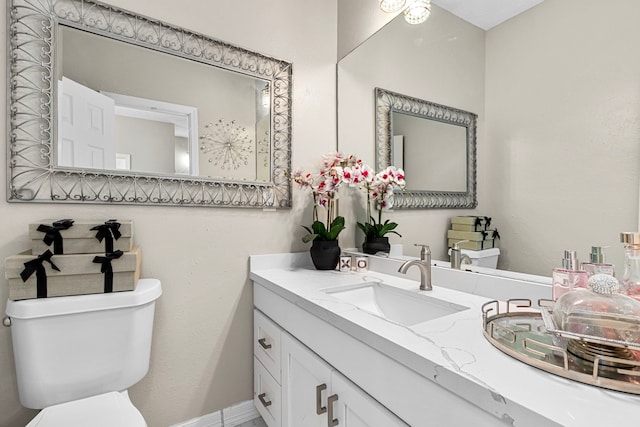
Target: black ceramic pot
[(373, 245), (325, 254)]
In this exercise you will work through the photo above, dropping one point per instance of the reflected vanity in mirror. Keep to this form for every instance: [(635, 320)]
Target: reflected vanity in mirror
[(434, 144), (108, 106)]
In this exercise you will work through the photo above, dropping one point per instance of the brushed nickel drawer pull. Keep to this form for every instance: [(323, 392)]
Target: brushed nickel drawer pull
[(264, 401), (331, 422), (263, 343), (319, 408)]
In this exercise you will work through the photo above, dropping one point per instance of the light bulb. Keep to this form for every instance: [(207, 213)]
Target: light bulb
[(417, 12), (392, 5)]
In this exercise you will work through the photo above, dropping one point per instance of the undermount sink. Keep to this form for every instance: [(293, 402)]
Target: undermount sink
[(394, 304)]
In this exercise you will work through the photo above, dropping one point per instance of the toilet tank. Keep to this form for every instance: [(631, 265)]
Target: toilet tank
[(68, 348)]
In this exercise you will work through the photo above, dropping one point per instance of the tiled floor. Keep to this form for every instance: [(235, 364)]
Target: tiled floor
[(258, 422)]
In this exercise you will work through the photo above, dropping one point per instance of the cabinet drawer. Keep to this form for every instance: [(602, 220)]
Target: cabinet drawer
[(266, 343), (266, 395)]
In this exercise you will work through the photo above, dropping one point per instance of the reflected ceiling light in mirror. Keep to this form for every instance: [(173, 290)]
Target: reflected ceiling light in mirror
[(392, 5), (417, 12)]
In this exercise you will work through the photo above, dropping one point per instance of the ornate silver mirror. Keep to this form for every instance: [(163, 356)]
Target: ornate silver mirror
[(106, 106), (434, 144)]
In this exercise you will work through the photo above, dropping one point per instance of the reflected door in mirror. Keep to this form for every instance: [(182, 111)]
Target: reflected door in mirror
[(86, 127)]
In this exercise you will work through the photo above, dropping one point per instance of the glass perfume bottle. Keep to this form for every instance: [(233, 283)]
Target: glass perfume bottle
[(597, 263), (630, 283), (569, 277)]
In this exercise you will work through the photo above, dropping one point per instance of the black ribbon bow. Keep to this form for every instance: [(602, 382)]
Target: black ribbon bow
[(487, 220), (107, 269), (52, 234), (35, 266), (108, 231)]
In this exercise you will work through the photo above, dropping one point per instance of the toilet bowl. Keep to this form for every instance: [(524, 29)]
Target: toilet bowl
[(105, 410), (76, 356)]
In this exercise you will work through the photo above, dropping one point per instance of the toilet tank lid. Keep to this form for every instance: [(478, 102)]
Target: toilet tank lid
[(147, 290)]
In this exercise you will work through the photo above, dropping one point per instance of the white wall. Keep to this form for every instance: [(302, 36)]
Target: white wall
[(150, 143), (202, 351), (357, 21), (563, 131)]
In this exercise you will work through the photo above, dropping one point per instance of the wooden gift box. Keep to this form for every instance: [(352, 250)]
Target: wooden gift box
[(80, 238), (470, 223), (78, 275)]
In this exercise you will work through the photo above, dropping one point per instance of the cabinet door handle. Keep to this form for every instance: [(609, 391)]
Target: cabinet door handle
[(331, 422), (264, 401), (319, 408), (263, 343)]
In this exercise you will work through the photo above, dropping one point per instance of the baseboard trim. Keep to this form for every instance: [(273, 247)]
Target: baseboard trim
[(240, 413), (228, 417)]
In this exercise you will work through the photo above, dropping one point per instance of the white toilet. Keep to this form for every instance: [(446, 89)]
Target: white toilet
[(76, 356)]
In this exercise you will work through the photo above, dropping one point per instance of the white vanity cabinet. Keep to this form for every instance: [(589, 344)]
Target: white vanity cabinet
[(304, 390), (315, 394)]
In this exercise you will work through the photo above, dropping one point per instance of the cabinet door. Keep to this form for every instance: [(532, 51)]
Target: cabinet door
[(267, 395), (355, 408), (305, 386)]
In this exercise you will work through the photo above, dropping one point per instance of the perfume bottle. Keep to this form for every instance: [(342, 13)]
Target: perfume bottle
[(630, 283), (569, 277), (597, 263)]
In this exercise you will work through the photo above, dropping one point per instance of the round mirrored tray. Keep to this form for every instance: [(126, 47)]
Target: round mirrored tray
[(519, 330)]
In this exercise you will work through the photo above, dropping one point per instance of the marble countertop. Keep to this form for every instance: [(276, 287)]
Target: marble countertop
[(451, 348)]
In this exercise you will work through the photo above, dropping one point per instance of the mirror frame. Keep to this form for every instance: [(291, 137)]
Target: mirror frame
[(33, 175), (388, 102)]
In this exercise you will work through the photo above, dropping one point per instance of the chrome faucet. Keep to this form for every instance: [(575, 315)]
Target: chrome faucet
[(424, 265), (457, 257)]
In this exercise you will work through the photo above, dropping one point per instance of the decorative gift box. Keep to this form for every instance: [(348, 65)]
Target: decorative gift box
[(473, 246), (68, 236), (470, 223), (49, 275), (473, 235)]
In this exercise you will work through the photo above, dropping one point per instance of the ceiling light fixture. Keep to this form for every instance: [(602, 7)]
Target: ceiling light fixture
[(392, 5), (417, 12)]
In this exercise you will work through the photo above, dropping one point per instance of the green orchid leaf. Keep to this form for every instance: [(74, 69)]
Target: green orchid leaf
[(309, 237), (319, 228)]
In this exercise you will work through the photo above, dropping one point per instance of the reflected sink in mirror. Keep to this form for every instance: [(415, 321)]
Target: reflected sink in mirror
[(394, 304)]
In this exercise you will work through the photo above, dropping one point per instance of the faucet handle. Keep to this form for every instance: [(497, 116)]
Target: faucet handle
[(456, 245), (426, 250)]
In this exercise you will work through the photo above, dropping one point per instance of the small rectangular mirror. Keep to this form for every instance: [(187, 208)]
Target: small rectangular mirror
[(434, 144)]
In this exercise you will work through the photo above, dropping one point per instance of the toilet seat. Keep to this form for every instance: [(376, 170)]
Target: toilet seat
[(104, 410)]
